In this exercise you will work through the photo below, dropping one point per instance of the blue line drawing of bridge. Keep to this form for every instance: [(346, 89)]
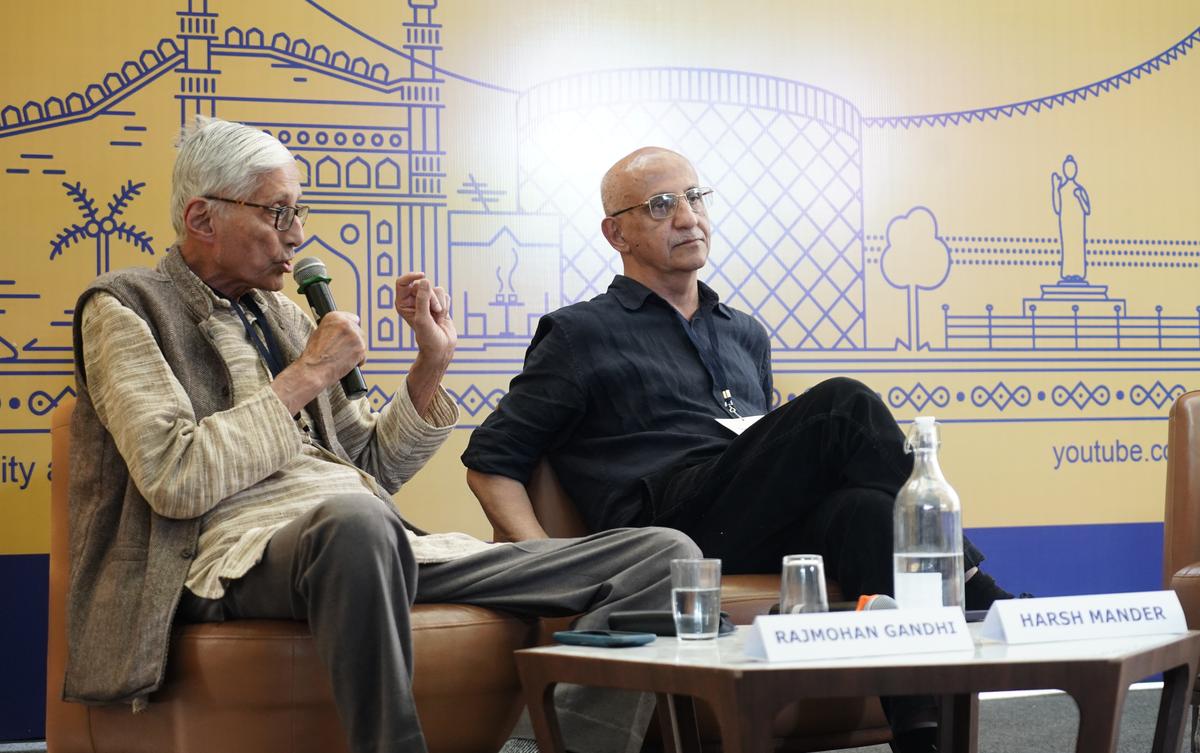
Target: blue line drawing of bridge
[(1036, 105)]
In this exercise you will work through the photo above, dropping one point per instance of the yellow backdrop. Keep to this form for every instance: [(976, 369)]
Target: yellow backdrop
[(988, 212)]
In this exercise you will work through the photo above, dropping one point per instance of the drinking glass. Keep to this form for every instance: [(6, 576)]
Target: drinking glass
[(802, 585), (696, 598)]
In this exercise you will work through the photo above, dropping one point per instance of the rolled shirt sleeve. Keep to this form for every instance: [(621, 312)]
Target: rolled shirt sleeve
[(542, 408)]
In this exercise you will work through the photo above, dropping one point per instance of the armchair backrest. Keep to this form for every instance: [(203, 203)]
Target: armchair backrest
[(553, 508), (1181, 522), (66, 723)]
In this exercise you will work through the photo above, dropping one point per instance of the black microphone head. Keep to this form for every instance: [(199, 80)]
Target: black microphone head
[(308, 270)]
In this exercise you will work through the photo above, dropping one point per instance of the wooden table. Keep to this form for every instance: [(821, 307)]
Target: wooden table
[(745, 694)]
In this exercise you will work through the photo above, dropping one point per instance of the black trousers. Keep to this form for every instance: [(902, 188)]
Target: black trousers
[(818, 475)]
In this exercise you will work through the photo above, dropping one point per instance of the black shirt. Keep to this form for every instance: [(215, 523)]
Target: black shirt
[(620, 395)]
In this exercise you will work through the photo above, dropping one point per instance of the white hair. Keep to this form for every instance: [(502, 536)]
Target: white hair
[(220, 158)]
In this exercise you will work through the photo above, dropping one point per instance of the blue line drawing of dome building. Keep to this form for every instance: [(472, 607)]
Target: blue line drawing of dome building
[(784, 157)]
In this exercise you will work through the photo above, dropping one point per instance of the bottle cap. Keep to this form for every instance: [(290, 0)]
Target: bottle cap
[(925, 422)]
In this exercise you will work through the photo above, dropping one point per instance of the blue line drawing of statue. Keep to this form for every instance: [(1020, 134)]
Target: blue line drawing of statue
[(914, 259), (1072, 205)]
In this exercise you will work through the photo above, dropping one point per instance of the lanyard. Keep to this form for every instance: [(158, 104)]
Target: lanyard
[(711, 358), (270, 352)]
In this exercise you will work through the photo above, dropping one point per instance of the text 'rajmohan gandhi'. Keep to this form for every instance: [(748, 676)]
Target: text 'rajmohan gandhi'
[(865, 632)]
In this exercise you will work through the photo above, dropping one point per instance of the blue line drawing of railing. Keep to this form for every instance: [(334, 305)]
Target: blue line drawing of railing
[(1075, 331)]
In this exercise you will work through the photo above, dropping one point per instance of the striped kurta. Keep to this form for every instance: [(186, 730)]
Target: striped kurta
[(249, 470)]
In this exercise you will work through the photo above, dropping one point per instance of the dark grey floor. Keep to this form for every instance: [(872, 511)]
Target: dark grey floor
[(1035, 724), (1049, 723)]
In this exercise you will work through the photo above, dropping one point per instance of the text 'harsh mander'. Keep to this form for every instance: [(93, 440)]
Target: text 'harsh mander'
[(1064, 617)]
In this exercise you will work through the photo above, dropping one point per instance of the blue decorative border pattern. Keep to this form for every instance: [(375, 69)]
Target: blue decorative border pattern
[(979, 402), (1078, 94), (919, 397)]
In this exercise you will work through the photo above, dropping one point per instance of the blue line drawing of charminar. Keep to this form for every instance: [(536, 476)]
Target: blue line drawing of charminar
[(369, 146)]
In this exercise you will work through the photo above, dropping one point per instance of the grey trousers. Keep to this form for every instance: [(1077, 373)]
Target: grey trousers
[(347, 569)]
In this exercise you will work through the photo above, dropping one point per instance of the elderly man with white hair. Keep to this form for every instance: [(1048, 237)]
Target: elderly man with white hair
[(219, 472)]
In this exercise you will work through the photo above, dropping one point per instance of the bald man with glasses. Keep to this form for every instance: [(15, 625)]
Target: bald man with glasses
[(631, 396)]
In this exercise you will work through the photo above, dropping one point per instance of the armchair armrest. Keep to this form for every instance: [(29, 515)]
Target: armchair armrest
[(1181, 522)]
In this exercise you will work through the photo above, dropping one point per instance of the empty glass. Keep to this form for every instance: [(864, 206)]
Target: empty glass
[(802, 584)]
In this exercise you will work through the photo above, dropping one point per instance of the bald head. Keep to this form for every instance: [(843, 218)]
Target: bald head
[(663, 252), (625, 183)]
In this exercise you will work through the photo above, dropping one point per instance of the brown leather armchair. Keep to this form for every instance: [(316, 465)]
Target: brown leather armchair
[(1181, 521), (257, 686), (809, 726)]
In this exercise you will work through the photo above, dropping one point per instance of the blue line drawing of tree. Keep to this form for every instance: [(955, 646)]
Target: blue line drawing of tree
[(102, 228), (915, 259)]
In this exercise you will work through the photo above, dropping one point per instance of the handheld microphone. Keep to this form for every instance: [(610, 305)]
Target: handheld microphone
[(313, 281), (865, 603), (871, 602)]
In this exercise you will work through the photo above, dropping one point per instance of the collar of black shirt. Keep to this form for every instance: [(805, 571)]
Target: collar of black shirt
[(633, 295)]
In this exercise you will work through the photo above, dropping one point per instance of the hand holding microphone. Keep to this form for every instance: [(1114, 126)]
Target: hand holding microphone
[(337, 338)]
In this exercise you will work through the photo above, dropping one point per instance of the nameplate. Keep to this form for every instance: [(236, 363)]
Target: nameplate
[(834, 635), (1072, 618)]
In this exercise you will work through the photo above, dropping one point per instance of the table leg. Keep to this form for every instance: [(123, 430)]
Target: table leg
[(1100, 704), (677, 724), (958, 723), (745, 720), (539, 698), (1168, 734), (1195, 728)]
